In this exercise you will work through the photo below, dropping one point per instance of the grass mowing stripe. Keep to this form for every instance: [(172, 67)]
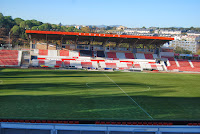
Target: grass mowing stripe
[(129, 97)]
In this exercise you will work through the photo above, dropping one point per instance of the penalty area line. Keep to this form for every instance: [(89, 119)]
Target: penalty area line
[(128, 96)]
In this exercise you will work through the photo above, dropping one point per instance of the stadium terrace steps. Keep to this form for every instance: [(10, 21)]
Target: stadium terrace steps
[(196, 63), (69, 58), (172, 62), (185, 65), (9, 58), (190, 63), (121, 65)]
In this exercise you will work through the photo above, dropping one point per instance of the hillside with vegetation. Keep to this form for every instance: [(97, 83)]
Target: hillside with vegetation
[(16, 29)]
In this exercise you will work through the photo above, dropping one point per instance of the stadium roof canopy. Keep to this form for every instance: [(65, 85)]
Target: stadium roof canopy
[(132, 39)]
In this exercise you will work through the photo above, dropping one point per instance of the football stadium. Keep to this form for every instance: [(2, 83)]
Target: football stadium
[(79, 87)]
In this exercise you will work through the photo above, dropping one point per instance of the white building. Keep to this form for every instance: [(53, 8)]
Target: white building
[(121, 28), (190, 38), (186, 38), (172, 32), (78, 27), (187, 45), (191, 33), (137, 30)]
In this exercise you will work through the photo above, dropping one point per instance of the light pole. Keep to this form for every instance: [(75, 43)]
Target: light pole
[(9, 38)]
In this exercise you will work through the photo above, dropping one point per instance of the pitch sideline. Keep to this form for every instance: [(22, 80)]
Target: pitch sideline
[(129, 96)]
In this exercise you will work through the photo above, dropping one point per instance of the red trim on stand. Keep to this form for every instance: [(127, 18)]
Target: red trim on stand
[(97, 35)]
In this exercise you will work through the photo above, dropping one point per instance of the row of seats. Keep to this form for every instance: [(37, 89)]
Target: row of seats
[(54, 53), (9, 57), (88, 53), (8, 62), (184, 65), (120, 55), (196, 63), (95, 64)]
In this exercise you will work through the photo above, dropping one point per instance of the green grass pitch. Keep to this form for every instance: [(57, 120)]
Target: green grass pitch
[(96, 95)]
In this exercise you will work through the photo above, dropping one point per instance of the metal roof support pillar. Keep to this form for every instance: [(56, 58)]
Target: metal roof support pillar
[(76, 42), (47, 41), (104, 43), (61, 41), (31, 42)]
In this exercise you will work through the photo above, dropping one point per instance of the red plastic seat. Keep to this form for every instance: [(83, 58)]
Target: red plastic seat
[(129, 56), (111, 55)]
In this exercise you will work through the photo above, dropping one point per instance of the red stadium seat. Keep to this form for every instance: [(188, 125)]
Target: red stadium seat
[(111, 65), (148, 56), (86, 64), (64, 53), (129, 56), (43, 52), (111, 55)]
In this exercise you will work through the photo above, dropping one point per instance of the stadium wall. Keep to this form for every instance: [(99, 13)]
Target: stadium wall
[(39, 128)]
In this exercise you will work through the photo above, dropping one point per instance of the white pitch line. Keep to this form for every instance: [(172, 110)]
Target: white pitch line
[(149, 88), (87, 84), (129, 97)]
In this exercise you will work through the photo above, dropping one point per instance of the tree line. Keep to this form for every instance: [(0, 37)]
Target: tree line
[(16, 29)]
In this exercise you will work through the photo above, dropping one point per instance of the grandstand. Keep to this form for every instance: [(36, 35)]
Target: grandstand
[(137, 57), (83, 55), (99, 56)]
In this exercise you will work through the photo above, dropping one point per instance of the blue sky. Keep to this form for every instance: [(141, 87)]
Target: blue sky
[(130, 13)]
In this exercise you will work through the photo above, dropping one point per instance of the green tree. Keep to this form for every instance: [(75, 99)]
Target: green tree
[(70, 29), (23, 25), (27, 24), (36, 23), (34, 28), (180, 50), (1, 20), (24, 36), (18, 21), (108, 28), (45, 26), (54, 26), (15, 30), (85, 29), (8, 22)]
